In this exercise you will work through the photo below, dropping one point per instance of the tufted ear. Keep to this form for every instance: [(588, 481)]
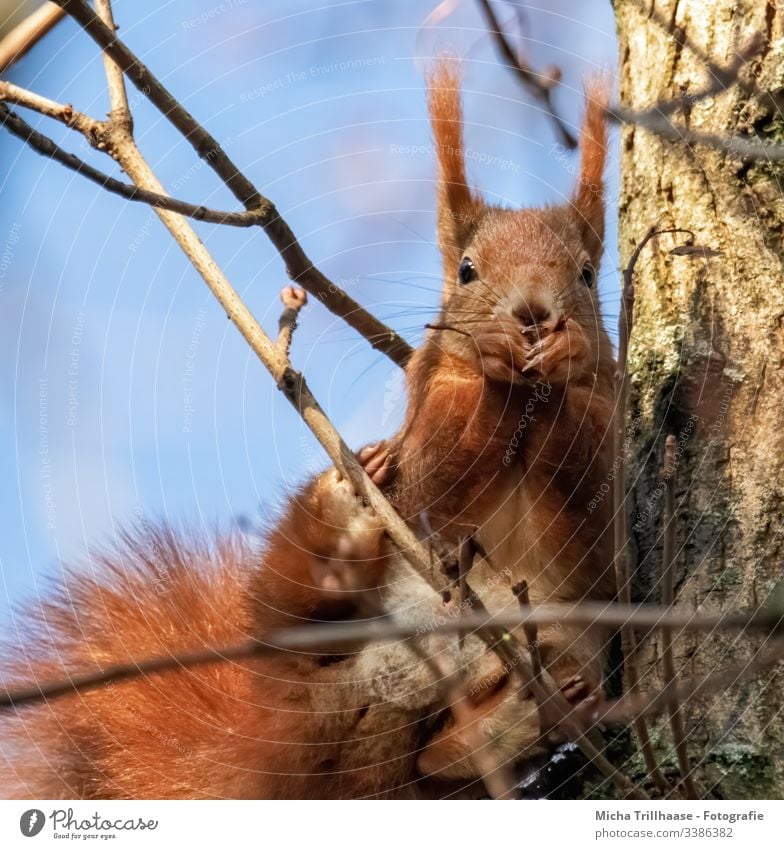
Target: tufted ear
[(459, 209), (588, 200)]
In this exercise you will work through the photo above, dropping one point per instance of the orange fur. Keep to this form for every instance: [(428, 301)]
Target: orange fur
[(256, 729), (589, 194), (482, 447), (300, 725)]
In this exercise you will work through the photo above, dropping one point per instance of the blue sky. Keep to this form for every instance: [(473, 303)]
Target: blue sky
[(126, 394)]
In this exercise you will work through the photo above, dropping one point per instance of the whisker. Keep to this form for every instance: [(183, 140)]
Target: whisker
[(406, 281), (447, 327)]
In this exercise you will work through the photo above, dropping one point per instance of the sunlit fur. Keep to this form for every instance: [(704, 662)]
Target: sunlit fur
[(288, 727), (367, 721), (509, 432)]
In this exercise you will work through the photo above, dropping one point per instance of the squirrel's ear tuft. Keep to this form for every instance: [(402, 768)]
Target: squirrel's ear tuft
[(589, 194), (458, 208)]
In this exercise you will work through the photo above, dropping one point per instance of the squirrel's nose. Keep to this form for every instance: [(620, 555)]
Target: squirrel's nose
[(531, 313)]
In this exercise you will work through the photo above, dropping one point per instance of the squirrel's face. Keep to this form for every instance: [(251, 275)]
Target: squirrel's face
[(519, 285), (524, 283)]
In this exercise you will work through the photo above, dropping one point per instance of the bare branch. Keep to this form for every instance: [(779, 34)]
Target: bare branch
[(531, 634), (28, 33), (620, 524), (650, 704), (656, 120), (539, 85), (44, 145), (746, 149), (667, 598), (322, 637), (552, 707), (120, 144), (298, 265), (120, 118), (62, 112), (292, 383)]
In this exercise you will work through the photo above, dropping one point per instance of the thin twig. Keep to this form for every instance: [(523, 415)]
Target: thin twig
[(25, 35), (44, 145), (298, 265), (465, 562), (667, 598), (529, 628), (655, 119), (508, 648), (657, 701), (552, 707), (539, 85), (620, 524), (322, 637), (532, 636), (62, 112), (746, 149), (293, 299)]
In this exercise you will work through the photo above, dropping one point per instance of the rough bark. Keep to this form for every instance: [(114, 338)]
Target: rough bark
[(706, 363)]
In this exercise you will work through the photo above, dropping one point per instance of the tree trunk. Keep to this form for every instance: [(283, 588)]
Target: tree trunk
[(706, 364)]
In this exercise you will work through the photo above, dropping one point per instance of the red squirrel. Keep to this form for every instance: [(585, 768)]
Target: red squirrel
[(505, 437), (507, 434)]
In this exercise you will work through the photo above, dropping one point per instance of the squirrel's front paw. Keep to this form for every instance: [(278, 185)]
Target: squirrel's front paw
[(559, 357), (376, 459), (355, 554), (502, 351)]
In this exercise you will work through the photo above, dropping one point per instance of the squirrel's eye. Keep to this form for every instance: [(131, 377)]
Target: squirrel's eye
[(588, 275), (467, 271)]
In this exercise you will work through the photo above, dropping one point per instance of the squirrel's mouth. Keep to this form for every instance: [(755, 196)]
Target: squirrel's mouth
[(503, 348), (506, 351)]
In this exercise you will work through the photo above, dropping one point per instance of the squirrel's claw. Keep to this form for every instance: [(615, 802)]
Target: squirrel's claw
[(357, 552), (559, 357)]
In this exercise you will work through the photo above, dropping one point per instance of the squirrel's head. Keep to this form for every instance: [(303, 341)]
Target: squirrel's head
[(525, 270)]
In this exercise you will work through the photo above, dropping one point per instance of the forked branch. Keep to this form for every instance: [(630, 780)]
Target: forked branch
[(620, 505), (298, 265), (540, 85), (94, 130)]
